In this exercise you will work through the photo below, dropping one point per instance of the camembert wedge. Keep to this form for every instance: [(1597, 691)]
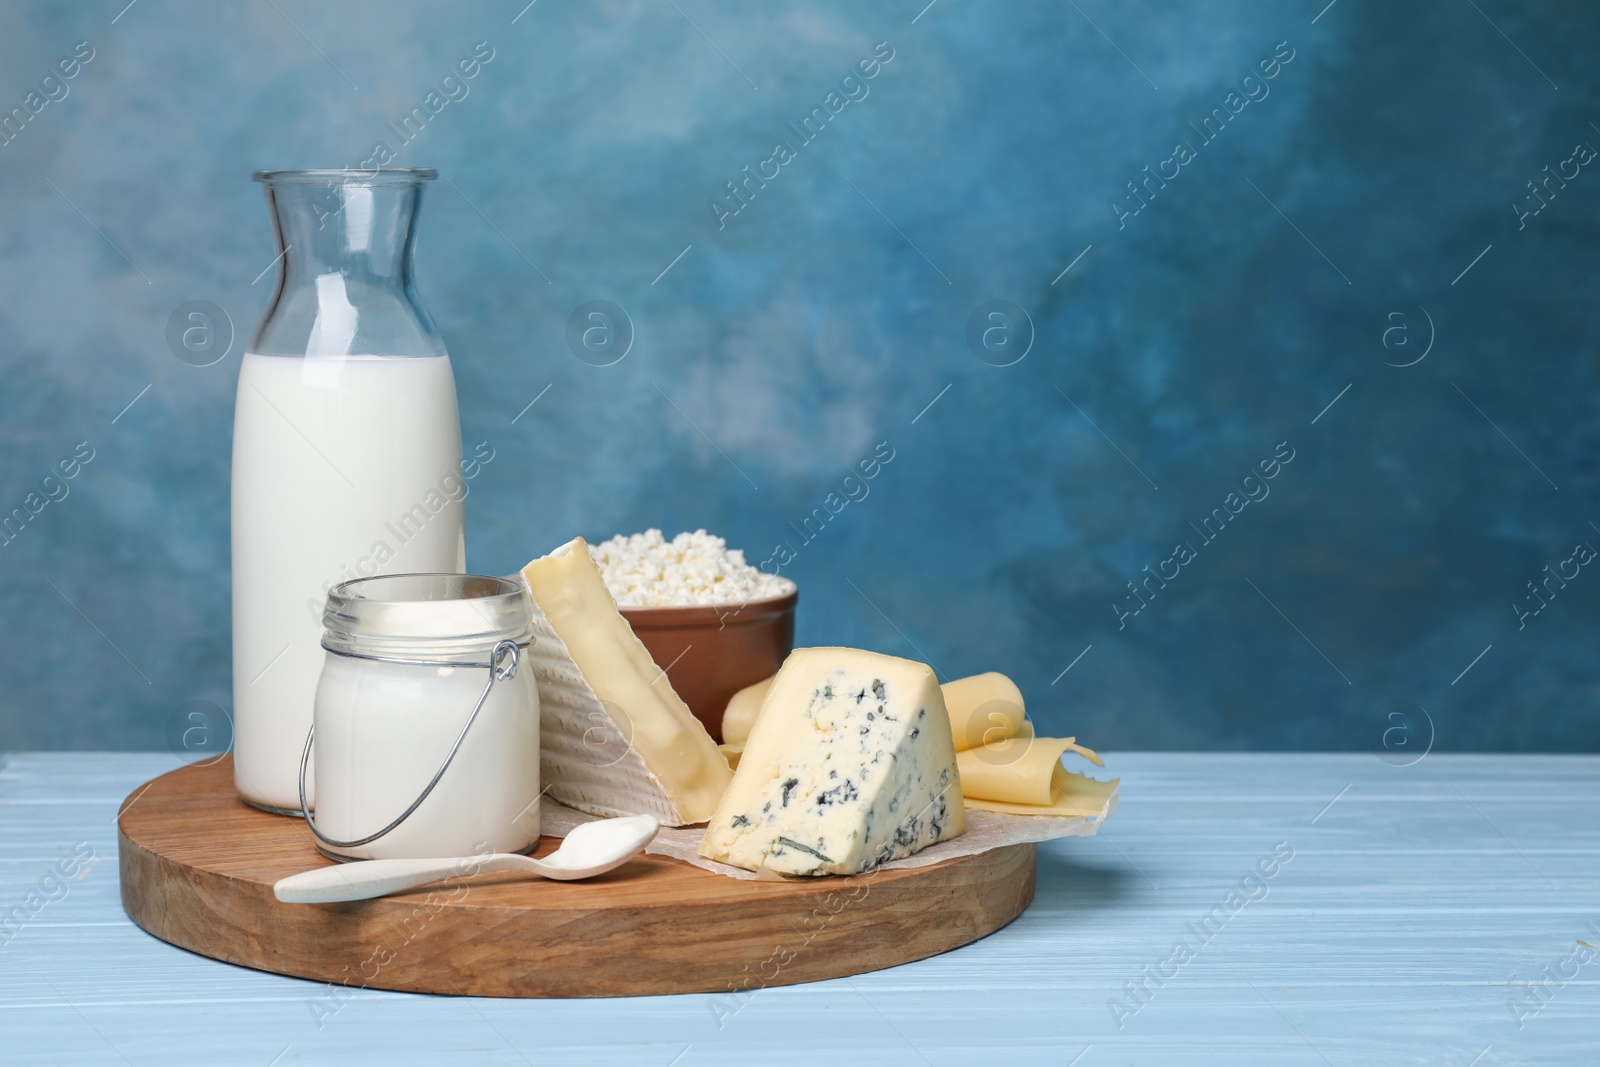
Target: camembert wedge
[(849, 765), (614, 737)]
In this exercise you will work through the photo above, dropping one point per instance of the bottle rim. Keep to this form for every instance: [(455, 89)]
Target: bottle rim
[(347, 176)]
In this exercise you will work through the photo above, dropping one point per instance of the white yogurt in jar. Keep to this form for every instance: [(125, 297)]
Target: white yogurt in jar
[(384, 727)]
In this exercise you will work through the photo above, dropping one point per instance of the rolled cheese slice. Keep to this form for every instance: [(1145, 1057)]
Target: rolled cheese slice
[(1018, 770), (740, 717), (1071, 794), (984, 708)]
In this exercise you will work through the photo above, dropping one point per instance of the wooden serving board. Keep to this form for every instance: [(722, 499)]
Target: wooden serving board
[(197, 867)]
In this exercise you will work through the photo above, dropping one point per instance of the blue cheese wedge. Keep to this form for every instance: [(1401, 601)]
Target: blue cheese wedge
[(850, 764)]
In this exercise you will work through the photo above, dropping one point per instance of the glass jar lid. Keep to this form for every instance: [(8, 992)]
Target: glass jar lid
[(431, 617)]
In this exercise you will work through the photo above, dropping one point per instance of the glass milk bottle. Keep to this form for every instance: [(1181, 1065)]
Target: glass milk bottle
[(346, 448)]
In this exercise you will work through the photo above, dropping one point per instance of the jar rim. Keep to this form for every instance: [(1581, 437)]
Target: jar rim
[(347, 176), (431, 615), (481, 585)]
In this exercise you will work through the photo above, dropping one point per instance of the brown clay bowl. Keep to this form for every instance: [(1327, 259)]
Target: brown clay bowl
[(710, 652)]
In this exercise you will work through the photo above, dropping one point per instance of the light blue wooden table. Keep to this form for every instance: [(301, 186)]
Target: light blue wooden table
[(1430, 914)]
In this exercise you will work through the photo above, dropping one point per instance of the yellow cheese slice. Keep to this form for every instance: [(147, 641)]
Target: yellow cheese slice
[(1018, 770), (1072, 794), (983, 708), (614, 738)]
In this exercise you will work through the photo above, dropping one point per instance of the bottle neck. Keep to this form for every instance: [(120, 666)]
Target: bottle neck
[(354, 230), (345, 284)]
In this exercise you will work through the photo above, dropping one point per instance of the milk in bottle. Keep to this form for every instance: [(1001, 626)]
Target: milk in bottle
[(346, 449)]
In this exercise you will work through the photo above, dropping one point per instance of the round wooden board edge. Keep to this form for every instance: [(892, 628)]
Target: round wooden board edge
[(606, 952)]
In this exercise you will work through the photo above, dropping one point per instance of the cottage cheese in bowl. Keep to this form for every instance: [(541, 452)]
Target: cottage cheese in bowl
[(712, 623), (693, 569)]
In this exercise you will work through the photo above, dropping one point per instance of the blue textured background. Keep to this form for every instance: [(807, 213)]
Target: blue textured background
[(1217, 322)]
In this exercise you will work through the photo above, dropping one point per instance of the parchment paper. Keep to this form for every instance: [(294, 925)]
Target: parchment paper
[(985, 830)]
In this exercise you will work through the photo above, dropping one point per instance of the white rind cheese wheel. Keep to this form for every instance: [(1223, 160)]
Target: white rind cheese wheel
[(614, 737)]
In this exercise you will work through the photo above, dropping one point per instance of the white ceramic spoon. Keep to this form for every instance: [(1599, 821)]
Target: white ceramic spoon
[(590, 849)]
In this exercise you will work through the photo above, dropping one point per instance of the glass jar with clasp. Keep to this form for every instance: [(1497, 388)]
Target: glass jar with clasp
[(426, 724)]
